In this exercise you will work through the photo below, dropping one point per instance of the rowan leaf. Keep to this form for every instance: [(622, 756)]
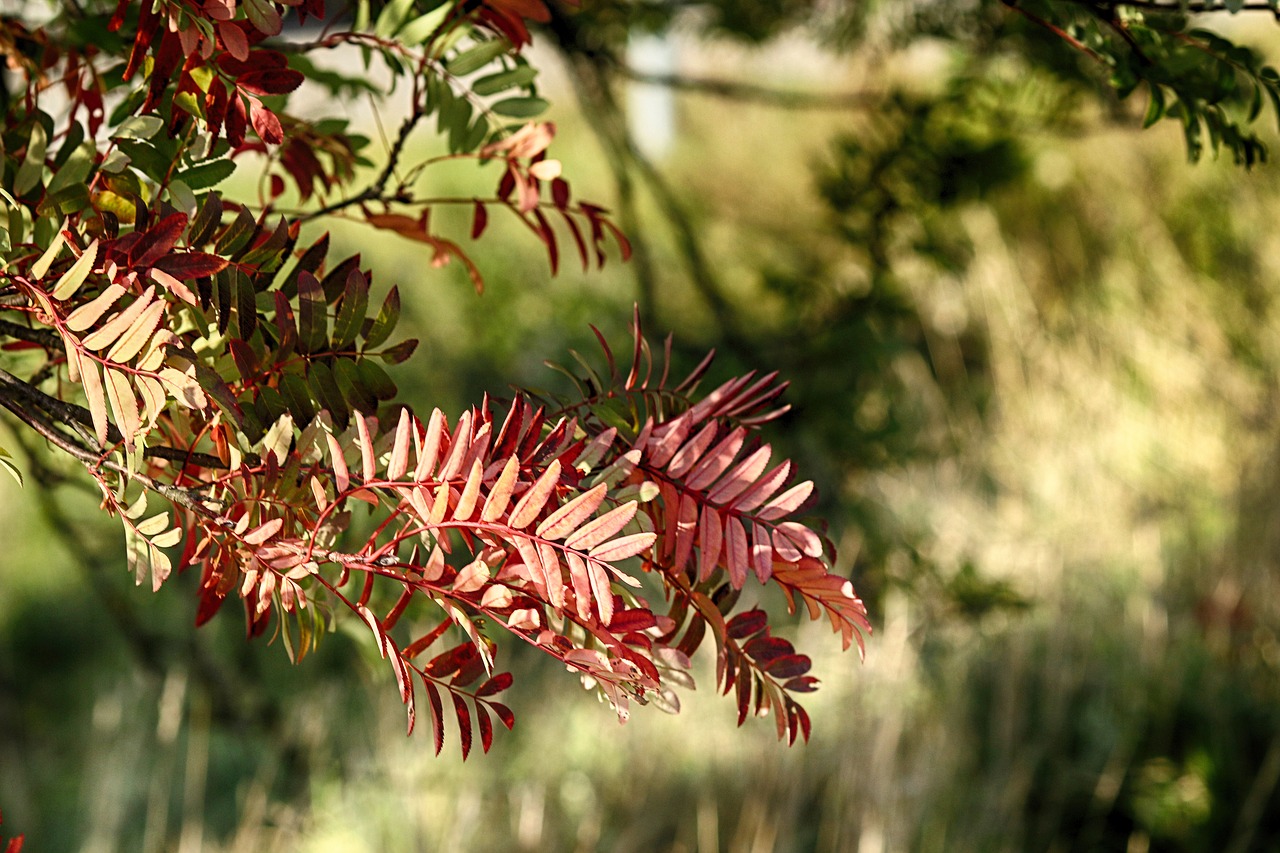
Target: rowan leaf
[(737, 555), (129, 344), (499, 497), (263, 532), (533, 501), (464, 724), (786, 503), (88, 314), (398, 463), (384, 324), (566, 519), (124, 405), (470, 493), (75, 276), (313, 331), (623, 547), (437, 713), (710, 539), (761, 552), (107, 333), (601, 529), (355, 302)]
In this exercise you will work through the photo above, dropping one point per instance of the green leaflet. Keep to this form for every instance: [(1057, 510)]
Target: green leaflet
[(7, 465), (492, 84), (384, 324), (207, 174), (475, 58), (32, 168), (520, 107)]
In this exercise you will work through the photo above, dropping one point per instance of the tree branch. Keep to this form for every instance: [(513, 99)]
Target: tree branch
[(94, 461), (733, 90), (71, 413), (375, 190), (43, 337)]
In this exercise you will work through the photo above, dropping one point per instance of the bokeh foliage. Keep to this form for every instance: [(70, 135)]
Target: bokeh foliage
[(1034, 356)]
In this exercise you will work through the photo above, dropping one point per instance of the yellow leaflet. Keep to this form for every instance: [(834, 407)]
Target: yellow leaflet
[(74, 277), (41, 267)]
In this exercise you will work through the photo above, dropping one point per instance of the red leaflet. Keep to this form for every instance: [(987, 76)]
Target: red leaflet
[(566, 519), (748, 623), (710, 538), (686, 530), (464, 724), (742, 476), (215, 105), (504, 714), (714, 463), (270, 81), (624, 547), (535, 498), (485, 724), (736, 552), (233, 39), (788, 502), (632, 621), (788, 666), (449, 662), (692, 451), (437, 713), (604, 527), (761, 552), (237, 120), (495, 685), (185, 266), (764, 649), (265, 123), (158, 240)]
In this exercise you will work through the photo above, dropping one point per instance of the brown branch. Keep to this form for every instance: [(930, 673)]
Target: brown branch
[(375, 190), (94, 461), (70, 413), (43, 337)]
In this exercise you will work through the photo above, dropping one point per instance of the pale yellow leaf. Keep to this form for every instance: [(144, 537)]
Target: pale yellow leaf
[(132, 341), (124, 405), (41, 267), (91, 312), (71, 280), (104, 335)]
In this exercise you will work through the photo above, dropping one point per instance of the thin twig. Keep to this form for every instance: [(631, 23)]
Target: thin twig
[(375, 190)]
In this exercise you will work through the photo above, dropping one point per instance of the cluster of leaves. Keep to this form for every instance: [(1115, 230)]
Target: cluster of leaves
[(1214, 87), (182, 346)]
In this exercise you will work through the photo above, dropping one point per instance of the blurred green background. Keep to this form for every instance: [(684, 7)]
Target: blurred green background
[(1036, 374)]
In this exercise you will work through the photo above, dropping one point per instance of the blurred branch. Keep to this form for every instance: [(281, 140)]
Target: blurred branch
[(153, 651), (737, 91), (1194, 6), (591, 71)]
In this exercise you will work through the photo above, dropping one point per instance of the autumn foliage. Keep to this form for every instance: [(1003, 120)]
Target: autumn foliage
[(226, 389)]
